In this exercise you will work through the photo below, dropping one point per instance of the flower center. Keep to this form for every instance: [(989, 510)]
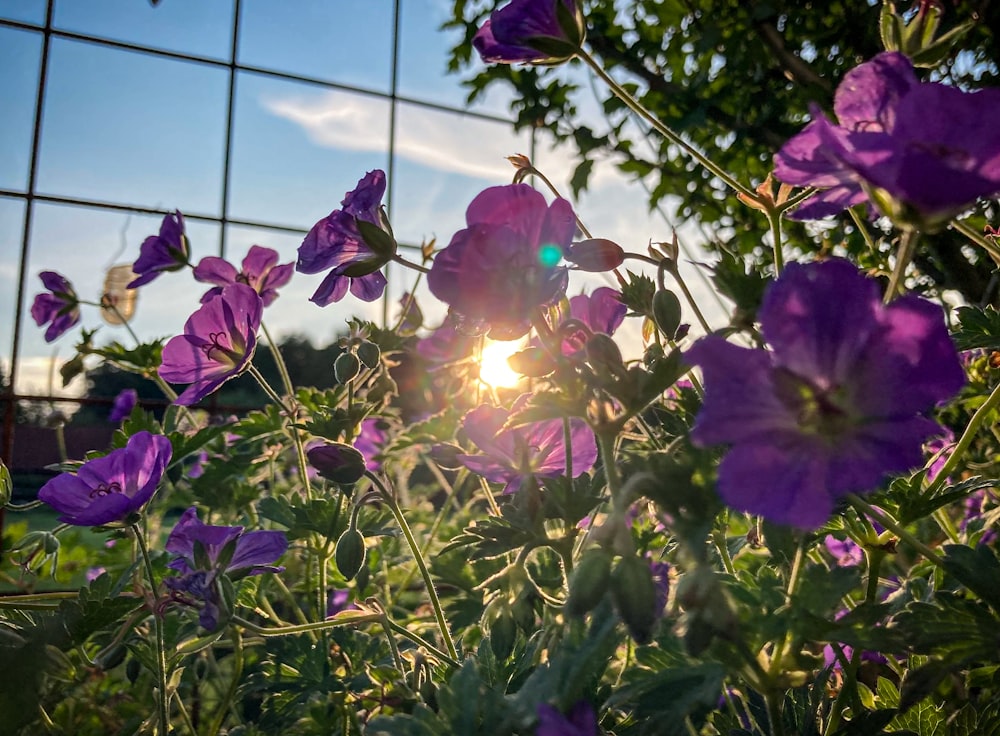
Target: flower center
[(106, 489), (218, 350), (818, 411)]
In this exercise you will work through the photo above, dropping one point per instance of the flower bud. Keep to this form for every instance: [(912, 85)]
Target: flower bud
[(337, 462), (503, 633), (533, 362), (635, 597), (369, 354), (346, 367), (604, 355), (667, 312), (595, 255), (523, 610), (446, 456), (350, 554), (589, 581)]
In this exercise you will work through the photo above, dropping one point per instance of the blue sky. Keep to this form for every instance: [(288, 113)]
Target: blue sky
[(139, 129)]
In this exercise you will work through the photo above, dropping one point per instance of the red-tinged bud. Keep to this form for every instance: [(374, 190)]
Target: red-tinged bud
[(337, 462), (595, 255)]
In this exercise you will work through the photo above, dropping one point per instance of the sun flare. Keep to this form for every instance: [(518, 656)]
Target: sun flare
[(493, 367)]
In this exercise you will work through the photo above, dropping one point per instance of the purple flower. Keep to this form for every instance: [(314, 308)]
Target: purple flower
[(940, 448), (217, 343), (445, 344), (837, 404), (601, 311), (370, 441), (124, 403), (532, 31), (502, 267), (204, 553), (516, 454), (337, 600), (336, 242), (919, 151), (59, 307), (110, 488), (260, 271), (847, 552), (581, 721), (661, 581), (167, 251)]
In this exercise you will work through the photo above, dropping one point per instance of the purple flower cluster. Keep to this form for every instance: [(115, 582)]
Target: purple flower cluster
[(918, 151), (836, 405), (503, 266)]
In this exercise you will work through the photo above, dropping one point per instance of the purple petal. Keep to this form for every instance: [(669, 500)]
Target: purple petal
[(258, 548), (214, 270), (869, 94), (740, 403), (782, 478), (369, 287)]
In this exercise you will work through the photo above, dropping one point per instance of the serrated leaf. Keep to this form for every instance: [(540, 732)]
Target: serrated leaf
[(979, 328), (977, 569)]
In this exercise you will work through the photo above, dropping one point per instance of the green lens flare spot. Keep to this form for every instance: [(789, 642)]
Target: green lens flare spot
[(549, 255)]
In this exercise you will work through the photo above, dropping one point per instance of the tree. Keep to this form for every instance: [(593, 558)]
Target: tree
[(736, 79)]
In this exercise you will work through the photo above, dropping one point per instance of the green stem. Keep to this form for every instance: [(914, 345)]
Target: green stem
[(892, 525), (676, 273), (161, 654), (552, 188), (410, 264), (663, 130), (904, 254), (774, 219), (984, 410), (862, 228), (606, 443), (397, 513), (977, 238)]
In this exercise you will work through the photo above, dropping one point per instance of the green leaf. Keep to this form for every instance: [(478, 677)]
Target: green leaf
[(979, 328), (6, 485), (977, 569)]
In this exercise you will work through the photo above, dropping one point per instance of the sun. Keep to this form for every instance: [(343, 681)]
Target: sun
[(493, 368)]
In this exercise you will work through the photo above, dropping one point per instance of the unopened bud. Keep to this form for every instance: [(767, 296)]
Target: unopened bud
[(533, 362), (503, 633), (635, 597), (595, 255), (337, 462), (350, 554), (589, 581), (667, 312), (346, 367), (369, 354)]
